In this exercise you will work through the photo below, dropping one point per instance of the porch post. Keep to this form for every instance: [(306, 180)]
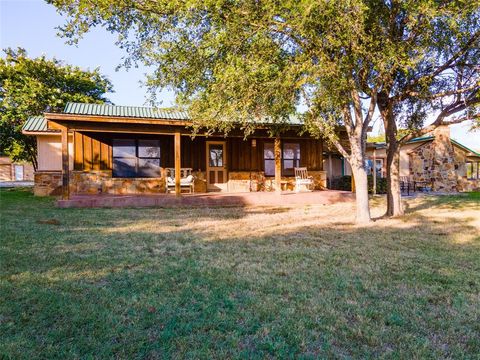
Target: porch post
[(278, 164), (374, 172), (65, 165), (330, 169), (177, 164)]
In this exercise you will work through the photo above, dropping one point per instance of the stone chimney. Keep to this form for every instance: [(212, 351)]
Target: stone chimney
[(442, 133), (443, 168)]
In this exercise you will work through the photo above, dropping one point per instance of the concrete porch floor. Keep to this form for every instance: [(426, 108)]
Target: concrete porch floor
[(286, 198)]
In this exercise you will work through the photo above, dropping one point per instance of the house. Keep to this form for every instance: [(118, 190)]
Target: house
[(107, 149), (436, 159), (14, 170)]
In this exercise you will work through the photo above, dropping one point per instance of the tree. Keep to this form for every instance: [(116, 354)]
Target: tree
[(30, 87), (237, 63), (431, 77)]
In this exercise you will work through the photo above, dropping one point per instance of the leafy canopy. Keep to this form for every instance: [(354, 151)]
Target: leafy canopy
[(30, 87), (239, 61), (244, 60)]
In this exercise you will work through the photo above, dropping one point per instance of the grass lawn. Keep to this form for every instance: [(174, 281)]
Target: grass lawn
[(239, 282)]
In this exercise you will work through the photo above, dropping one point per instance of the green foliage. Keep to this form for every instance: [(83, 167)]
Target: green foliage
[(342, 183), (381, 185), (380, 137), (345, 183), (30, 87), (241, 62)]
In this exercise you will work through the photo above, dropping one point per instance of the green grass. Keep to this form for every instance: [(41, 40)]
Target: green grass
[(239, 282)]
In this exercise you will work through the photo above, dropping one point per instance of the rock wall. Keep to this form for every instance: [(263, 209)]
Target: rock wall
[(245, 181), (442, 164), (98, 182), (102, 182), (47, 183)]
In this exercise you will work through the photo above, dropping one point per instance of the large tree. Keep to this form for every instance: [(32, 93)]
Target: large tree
[(431, 76), (30, 87), (237, 63)]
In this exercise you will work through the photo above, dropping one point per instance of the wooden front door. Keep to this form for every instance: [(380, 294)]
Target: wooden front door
[(216, 166)]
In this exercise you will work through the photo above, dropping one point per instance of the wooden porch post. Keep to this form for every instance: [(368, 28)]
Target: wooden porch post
[(374, 172), (178, 165), (330, 169), (278, 164), (65, 165)]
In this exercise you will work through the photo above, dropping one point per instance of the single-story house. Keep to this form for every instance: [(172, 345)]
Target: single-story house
[(101, 148), (435, 159), (15, 170)]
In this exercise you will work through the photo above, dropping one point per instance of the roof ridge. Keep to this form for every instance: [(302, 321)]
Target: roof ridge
[(70, 104)]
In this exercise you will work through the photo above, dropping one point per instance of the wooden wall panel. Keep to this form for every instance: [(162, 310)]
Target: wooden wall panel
[(93, 151), (77, 151)]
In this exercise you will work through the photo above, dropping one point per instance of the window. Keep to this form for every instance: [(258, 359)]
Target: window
[(291, 158), (269, 159), (136, 158), (473, 170), (378, 167)]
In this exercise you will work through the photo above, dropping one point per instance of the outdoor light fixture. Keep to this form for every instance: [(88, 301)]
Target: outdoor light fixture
[(254, 142)]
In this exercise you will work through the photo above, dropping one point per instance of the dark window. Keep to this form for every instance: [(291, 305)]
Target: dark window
[(269, 159), (473, 170), (291, 158), (136, 158)]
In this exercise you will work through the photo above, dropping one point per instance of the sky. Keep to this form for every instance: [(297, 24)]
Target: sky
[(31, 24)]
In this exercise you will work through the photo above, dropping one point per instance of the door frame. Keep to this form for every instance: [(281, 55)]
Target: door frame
[(216, 186)]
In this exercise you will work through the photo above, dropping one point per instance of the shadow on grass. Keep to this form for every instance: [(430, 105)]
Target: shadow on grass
[(154, 283)]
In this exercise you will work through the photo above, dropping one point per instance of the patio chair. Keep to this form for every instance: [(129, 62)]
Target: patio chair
[(187, 180), (303, 180)]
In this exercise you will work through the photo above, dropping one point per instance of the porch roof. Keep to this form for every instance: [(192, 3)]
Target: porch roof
[(125, 111), (107, 113)]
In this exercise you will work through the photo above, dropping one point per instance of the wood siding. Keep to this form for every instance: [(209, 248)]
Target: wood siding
[(93, 151)]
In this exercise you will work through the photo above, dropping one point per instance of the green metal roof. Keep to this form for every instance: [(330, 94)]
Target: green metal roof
[(465, 147), (420, 139), (37, 124), (125, 111)]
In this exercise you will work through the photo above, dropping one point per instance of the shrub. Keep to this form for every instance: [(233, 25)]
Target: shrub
[(345, 183)]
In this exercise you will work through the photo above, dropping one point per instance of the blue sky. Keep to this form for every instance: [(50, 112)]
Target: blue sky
[(31, 24)]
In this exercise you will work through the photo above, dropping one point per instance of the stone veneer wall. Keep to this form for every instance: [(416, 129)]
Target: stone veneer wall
[(245, 181), (97, 182), (442, 163), (101, 182), (47, 183)]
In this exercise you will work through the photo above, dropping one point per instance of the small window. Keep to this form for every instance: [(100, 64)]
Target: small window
[(291, 158), (473, 169), (136, 158), (269, 159), (378, 167)]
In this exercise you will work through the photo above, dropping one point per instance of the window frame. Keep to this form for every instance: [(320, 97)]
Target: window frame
[(138, 158), (475, 172), (282, 158), (296, 161)]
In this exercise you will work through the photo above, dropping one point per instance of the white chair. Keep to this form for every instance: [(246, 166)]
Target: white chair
[(187, 180), (303, 180)]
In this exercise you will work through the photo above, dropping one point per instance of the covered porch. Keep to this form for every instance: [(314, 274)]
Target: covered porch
[(119, 155)]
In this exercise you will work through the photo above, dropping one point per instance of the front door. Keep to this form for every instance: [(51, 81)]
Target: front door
[(216, 166)]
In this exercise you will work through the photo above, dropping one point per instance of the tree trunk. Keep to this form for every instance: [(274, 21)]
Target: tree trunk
[(394, 196), (394, 201), (361, 192)]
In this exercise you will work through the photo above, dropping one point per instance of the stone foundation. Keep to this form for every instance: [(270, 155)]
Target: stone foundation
[(102, 182), (246, 181), (47, 183)]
